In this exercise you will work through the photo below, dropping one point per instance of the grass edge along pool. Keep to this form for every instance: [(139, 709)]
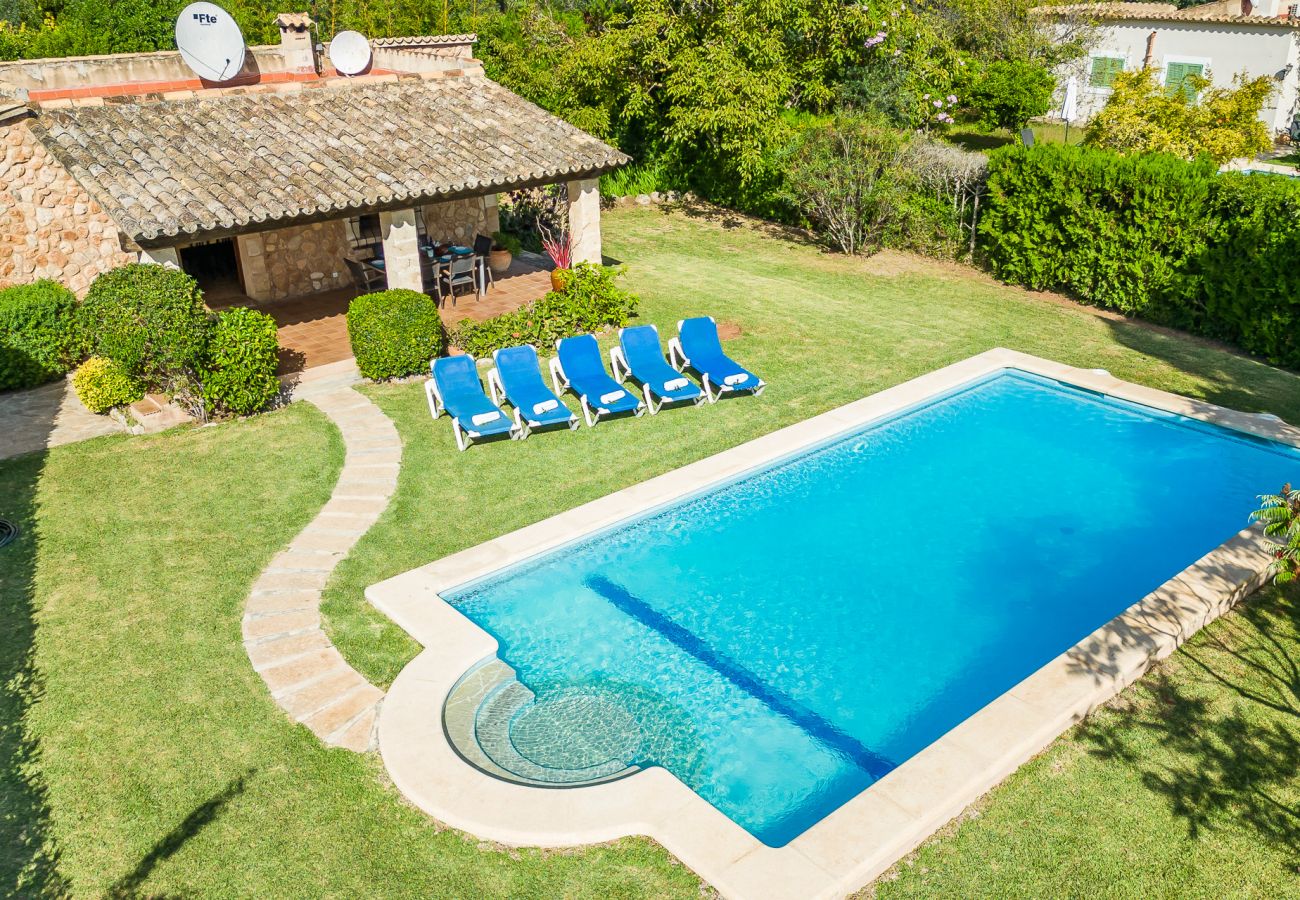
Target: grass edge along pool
[(788, 702)]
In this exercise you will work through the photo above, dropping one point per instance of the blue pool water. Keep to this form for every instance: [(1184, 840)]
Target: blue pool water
[(782, 641)]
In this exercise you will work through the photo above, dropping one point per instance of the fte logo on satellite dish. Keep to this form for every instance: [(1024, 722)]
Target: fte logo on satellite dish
[(210, 42)]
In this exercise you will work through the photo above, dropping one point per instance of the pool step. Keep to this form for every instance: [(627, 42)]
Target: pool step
[(461, 709), (478, 717)]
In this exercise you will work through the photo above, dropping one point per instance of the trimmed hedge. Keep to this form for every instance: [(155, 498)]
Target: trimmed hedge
[(394, 333), (590, 301), (151, 320), (1152, 236), (102, 384), (40, 338), (239, 366)]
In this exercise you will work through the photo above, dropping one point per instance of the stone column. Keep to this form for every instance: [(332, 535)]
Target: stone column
[(162, 256), (584, 220), (401, 249), (491, 216), (252, 263)]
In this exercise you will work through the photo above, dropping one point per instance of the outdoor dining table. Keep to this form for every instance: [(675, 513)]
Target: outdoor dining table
[(440, 260)]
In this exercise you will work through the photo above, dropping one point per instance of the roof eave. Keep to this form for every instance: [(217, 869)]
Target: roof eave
[(172, 238)]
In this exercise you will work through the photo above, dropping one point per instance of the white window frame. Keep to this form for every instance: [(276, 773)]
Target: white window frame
[(1092, 58), (1202, 61)]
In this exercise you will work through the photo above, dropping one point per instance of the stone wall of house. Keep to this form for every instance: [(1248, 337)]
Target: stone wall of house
[(290, 262), (461, 220), (49, 226)]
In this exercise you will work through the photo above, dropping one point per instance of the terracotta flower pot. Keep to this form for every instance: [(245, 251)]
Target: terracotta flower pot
[(558, 277), (499, 261)]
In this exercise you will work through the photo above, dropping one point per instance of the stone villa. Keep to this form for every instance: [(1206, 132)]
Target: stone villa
[(262, 185)]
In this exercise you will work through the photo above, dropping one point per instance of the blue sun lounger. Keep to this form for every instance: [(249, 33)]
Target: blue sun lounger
[(518, 378), (456, 390), (640, 356), (697, 347), (578, 367)]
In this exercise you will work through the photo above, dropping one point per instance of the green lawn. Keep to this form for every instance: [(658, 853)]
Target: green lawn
[(140, 754), (974, 137)]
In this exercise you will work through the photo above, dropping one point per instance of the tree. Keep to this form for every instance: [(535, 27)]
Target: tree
[(847, 176), (1143, 115), (1011, 93)]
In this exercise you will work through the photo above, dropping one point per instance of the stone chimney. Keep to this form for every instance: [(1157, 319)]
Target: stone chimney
[(296, 42)]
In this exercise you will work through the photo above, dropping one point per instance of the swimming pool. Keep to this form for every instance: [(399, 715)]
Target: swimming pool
[(784, 640)]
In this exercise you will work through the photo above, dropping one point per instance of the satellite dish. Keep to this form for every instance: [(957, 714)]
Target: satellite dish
[(210, 42), (350, 52)]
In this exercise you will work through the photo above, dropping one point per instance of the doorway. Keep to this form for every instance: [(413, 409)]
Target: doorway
[(215, 266)]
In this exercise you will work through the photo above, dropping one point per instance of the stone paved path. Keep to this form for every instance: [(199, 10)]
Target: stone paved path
[(306, 675), (45, 417)]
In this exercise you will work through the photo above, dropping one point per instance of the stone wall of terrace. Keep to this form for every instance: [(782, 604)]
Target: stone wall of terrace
[(291, 262), (50, 227), (460, 220)]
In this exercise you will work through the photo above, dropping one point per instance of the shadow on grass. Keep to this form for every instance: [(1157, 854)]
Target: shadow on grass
[(1226, 721), (1233, 380), (29, 855), (128, 886)]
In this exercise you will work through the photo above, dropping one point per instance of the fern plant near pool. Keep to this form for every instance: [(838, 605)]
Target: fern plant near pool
[(1280, 514)]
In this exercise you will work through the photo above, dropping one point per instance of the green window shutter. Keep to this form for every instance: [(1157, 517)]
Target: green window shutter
[(1104, 70), (1176, 77)]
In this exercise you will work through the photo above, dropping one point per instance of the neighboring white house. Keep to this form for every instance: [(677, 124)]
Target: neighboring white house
[(1219, 40)]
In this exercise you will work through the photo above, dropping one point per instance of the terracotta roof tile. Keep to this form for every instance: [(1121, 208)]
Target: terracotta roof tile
[(425, 40), (1163, 12), (181, 168)]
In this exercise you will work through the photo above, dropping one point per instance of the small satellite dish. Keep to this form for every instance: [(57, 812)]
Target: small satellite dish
[(210, 41), (350, 52)]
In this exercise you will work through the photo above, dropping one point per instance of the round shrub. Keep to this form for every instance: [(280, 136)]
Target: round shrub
[(39, 335), (239, 371), (102, 384), (394, 333), (150, 319)]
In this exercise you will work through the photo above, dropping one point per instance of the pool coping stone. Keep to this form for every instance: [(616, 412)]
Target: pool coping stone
[(864, 837)]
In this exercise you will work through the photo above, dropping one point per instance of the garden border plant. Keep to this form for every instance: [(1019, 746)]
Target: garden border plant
[(40, 334), (590, 301), (394, 333), (1153, 236), (151, 322)]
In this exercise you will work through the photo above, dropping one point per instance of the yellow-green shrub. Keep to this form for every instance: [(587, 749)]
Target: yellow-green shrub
[(102, 384)]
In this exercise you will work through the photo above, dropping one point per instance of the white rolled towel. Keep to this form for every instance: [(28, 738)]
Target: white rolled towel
[(612, 396), (734, 379), (545, 406), (484, 418), (675, 384)]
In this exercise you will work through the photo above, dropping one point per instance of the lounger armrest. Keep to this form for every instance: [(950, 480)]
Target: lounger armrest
[(435, 401), (494, 385), (676, 356), (557, 375), (618, 361)]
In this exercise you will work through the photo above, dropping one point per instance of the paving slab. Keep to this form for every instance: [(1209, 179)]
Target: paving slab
[(306, 675), (47, 416)]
